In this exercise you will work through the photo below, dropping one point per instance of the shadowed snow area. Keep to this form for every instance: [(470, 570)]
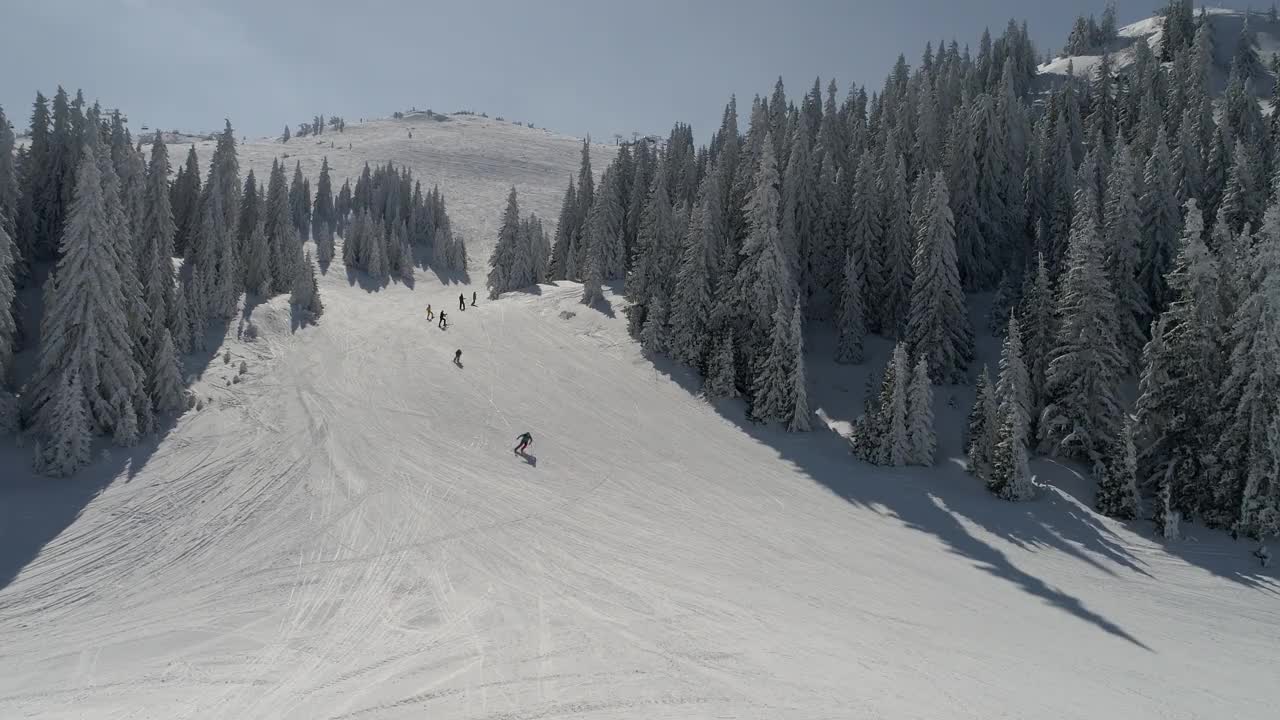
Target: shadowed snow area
[(347, 533)]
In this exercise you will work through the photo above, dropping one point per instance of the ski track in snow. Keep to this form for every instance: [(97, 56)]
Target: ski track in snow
[(347, 534)]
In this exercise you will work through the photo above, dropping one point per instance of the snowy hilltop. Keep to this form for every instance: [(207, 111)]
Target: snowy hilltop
[(1231, 33), (474, 159)]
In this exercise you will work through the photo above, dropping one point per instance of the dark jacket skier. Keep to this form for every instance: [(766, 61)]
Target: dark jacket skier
[(462, 301), (443, 323), (473, 298), (525, 441), (457, 357)]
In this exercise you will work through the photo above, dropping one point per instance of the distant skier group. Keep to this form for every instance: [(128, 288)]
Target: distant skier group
[(525, 439)]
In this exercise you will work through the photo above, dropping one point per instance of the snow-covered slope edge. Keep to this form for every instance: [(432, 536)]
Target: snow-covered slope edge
[(349, 535)]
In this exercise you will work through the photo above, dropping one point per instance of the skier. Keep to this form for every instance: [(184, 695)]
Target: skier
[(443, 324), (430, 315), (457, 357), (462, 301), (473, 298), (525, 441), (1263, 555)]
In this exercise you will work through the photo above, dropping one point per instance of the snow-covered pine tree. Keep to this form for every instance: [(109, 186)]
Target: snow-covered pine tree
[(282, 235), (720, 379), (504, 249), (1244, 196), (229, 278), (972, 260), (921, 437), (1188, 160), (342, 209), (323, 220), (8, 328), (156, 232), (165, 382), (1014, 381), (299, 203), (1160, 223), (1117, 495), (827, 255), (1010, 476), (67, 445), (798, 413), (655, 334), (893, 447), (864, 237), (404, 259), (306, 294), (1012, 413), (1250, 395), (540, 243), (180, 319), (606, 227), (376, 263), (899, 244), (9, 195), (851, 322), (561, 258), (593, 278), (979, 436), (938, 323), (1038, 330), (691, 304), (1082, 409), (1188, 360), (86, 324), (1123, 234), (257, 260), (586, 198), (251, 210), (654, 233), (800, 208), (772, 386), (991, 148)]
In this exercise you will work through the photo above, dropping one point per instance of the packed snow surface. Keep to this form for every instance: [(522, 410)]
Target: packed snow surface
[(346, 533)]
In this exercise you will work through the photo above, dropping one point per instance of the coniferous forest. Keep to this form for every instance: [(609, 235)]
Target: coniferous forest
[(134, 265), (1125, 224)]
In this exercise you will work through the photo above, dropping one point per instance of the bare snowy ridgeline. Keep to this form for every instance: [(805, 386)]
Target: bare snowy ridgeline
[(345, 532)]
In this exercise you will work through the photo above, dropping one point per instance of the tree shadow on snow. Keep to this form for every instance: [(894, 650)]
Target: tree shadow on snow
[(422, 261), (943, 501), (35, 510), (367, 282)]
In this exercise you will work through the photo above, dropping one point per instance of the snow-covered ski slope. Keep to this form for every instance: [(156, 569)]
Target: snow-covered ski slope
[(475, 160), (346, 533), (1226, 24)]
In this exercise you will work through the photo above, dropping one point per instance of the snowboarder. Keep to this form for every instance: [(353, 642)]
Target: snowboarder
[(430, 315), (443, 324), (1263, 555), (462, 301), (525, 441), (457, 357), (473, 298)]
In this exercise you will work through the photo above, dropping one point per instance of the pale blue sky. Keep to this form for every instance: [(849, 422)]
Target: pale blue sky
[(575, 66)]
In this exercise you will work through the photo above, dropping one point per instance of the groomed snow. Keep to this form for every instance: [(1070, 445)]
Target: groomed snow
[(346, 533)]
